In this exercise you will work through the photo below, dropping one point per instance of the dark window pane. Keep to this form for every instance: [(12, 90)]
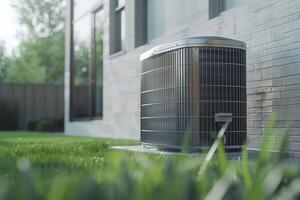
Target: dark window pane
[(117, 26), (98, 63), (80, 95)]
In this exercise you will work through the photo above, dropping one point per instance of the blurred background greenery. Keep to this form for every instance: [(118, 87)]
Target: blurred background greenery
[(39, 56)]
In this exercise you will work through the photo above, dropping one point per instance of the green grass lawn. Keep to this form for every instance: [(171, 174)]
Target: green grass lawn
[(54, 166), (41, 161), (52, 153)]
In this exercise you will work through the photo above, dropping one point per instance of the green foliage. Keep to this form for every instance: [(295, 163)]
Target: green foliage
[(18, 71), (46, 125), (40, 18), (4, 61), (222, 158), (40, 55), (40, 166)]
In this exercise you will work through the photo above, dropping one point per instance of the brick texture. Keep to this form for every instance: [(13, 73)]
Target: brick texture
[(271, 30)]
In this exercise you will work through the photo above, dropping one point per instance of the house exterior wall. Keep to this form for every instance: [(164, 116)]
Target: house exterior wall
[(271, 30)]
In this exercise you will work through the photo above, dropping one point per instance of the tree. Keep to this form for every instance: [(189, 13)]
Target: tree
[(41, 18), (23, 70), (4, 61), (41, 51)]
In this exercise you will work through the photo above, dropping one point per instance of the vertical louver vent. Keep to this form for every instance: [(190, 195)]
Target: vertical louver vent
[(185, 84)]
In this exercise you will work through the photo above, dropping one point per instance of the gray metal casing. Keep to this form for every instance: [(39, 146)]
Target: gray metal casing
[(184, 84)]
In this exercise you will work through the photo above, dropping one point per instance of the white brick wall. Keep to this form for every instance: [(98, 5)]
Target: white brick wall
[(271, 30)]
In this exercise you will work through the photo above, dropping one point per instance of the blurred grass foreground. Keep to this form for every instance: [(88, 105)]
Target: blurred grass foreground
[(54, 167)]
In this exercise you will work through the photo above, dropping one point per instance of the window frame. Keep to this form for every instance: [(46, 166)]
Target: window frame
[(117, 41), (140, 23), (91, 116), (215, 8), (93, 67)]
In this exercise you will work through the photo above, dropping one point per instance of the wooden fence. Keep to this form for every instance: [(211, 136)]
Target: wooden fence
[(31, 102)]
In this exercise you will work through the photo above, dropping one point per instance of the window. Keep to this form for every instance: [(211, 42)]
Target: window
[(97, 78), (140, 22), (215, 8), (117, 25), (87, 66), (155, 18), (81, 68), (218, 6)]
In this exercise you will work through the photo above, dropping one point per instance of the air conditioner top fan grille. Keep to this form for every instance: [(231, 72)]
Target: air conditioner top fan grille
[(194, 42)]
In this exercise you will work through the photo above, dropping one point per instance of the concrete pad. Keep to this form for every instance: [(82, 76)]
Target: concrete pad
[(252, 153), (142, 149)]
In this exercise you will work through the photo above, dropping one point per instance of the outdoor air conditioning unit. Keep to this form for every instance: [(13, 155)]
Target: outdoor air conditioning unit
[(189, 88)]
